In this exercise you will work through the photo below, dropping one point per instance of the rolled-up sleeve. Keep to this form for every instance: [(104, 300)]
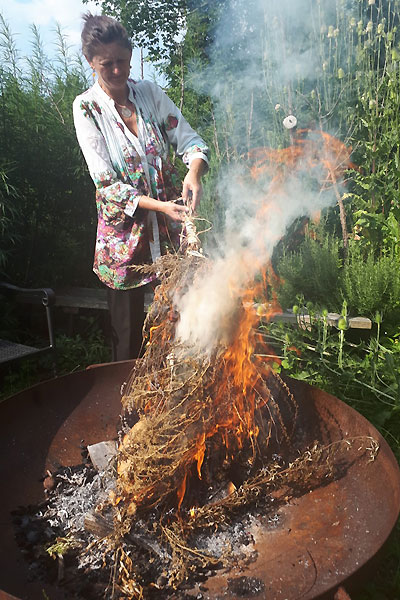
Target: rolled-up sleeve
[(117, 195), (185, 141)]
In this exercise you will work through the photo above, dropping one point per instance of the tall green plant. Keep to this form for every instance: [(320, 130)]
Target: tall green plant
[(376, 134), (8, 215), (54, 215)]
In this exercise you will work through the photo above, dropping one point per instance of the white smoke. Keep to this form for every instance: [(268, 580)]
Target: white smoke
[(253, 37)]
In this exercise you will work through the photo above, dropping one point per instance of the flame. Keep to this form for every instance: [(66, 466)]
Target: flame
[(199, 456), (240, 391), (152, 331), (181, 491), (231, 487), (310, 149), (237, 424)]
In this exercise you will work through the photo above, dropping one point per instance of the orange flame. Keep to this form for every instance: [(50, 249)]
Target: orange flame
[(240, 369), (234, 421), (181, 491)]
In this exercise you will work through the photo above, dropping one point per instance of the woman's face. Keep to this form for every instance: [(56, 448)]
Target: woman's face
[(112, 65)]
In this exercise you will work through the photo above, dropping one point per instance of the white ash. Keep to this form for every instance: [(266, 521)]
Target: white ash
[(237, 540), (78, 493), (81, 493)]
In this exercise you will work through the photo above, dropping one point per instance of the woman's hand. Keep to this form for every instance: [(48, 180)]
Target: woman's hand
[(174, 211), (192, 188)]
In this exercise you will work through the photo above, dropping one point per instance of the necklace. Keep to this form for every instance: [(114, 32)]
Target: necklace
[(125, 111)]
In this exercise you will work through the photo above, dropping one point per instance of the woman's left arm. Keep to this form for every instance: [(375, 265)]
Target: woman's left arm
[(192, 188), (186, 142)]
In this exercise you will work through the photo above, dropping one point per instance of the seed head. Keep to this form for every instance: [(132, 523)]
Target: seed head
[(290, 122)]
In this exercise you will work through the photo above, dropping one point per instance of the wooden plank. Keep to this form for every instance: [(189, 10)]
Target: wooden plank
[(82, 298), (305, 319), (94, 298), (360, 323), (97, 299)]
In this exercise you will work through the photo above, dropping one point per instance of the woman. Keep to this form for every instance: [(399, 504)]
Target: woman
[(125, 129)]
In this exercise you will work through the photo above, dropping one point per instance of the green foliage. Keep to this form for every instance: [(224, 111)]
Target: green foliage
[(83, 349), (153, 24), (8, 213), (374, 111), (50, 239), (312, 272), (367, 281), (371, 283), (364, 373)]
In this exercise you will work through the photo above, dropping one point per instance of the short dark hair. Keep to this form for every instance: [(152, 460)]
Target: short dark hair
[(98, 30)]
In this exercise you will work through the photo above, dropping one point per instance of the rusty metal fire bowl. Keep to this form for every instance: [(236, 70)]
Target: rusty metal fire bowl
[(324, 538)]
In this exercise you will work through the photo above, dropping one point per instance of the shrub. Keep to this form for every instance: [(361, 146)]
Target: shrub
[(371, 283), (312, 272)]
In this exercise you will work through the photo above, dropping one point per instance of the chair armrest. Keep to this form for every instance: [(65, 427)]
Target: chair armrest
[(46, 296)]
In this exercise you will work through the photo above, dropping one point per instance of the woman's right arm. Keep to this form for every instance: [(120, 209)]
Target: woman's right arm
[(119, 197), (174, 211)]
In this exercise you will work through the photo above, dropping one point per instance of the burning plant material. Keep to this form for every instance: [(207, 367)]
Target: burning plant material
[(207, 460), (204, 429), (198, 414), (200, 409)]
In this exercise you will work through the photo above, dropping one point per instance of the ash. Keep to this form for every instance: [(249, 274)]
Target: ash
[(88, 562), (78, 491), (52, 536), (237, 541)]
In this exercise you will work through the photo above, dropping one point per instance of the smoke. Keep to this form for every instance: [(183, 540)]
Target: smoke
[(263, 52)]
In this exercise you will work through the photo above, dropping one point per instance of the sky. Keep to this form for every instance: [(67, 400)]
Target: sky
[(21, 14)]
